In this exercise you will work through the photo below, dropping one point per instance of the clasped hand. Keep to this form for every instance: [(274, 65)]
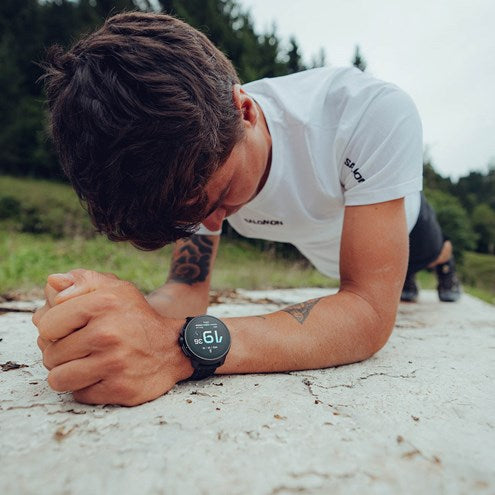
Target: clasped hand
[(103, 341)]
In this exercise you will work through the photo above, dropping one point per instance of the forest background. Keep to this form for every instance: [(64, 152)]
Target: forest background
[(37, 207)]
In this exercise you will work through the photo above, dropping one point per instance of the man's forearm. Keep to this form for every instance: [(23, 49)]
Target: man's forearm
[(187, 289), (176, 300), (330, 331)]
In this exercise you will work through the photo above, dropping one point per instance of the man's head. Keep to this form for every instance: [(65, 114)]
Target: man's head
[(142, 115)]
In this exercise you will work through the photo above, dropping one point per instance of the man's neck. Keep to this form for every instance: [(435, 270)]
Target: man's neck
[(268, 141)]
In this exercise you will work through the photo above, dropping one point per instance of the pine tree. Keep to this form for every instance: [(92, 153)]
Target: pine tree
[(294, 62), (359, 60)]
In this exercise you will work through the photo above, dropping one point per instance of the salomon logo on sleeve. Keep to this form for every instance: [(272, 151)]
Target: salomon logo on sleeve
[(357, 175)]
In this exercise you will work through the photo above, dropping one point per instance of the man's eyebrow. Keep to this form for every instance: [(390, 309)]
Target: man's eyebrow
[(219, 201)]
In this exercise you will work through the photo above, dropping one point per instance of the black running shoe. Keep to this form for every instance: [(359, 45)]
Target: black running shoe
[(449, 288), (410, 289)]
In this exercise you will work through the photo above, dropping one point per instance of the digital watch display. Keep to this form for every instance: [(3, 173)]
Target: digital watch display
[(206, 341)]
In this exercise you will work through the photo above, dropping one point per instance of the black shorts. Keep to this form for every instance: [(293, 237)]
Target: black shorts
[(425, 240)]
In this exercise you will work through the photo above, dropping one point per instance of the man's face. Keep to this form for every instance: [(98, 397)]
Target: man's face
[(241, 177)]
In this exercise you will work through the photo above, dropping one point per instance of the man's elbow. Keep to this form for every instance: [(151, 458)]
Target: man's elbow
[(378, 335), (376, 320)]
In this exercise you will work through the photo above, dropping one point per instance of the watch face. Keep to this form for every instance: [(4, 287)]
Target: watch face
[(207, 338)]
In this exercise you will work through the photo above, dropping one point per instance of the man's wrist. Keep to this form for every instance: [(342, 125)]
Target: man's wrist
[(205, 342), (183, 364)]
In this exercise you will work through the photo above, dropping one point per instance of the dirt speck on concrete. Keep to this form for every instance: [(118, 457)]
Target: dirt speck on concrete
[(61, 433), (12, 365)]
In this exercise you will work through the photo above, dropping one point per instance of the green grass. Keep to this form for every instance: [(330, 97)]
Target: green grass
[(26, 260), (44, 229), (478, 275)]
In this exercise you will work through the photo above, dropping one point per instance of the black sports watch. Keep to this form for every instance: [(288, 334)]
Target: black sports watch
[(206, 341)]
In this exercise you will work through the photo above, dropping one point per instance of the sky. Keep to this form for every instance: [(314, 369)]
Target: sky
[(442, 53)]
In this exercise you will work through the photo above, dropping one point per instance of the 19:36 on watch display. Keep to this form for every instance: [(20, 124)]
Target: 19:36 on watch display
[(206, 341)]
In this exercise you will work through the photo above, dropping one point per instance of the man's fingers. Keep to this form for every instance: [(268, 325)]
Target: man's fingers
[(76, 374), (86, 281), (104, 393), (76, 345), (42, 343), (63, 319), (60, 281), (39, 313), (50, 294)]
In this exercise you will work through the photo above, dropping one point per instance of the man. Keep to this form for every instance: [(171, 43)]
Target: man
[(157, 137)]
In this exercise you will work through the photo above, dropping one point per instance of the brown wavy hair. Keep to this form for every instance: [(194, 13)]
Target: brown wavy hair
[(141, 115)]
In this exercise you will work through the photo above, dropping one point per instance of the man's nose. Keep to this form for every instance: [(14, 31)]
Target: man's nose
[(215, 219)]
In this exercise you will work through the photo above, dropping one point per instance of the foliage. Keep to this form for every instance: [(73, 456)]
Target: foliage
[(454, 221), (41, 206), (474, 195), (478, 272), (476, 188), (28, 27), (483, 217)]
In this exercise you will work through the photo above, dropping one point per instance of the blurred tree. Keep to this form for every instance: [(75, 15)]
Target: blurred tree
[(358, 60), (454, 221), (432, 179), (231, 29), (28, 27), (319, 60), (294, 62), (476, 188), (483, 219)]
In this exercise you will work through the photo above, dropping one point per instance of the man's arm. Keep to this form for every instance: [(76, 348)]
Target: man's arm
[(347, 327), (137, 360), (185, 292)]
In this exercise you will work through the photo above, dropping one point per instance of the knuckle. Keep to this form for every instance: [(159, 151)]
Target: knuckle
[(41, 342), (47, 362), (79, 272), (44, 330), (55, 382), (108, 300), (116, 364), (36, 317), (106, 338)]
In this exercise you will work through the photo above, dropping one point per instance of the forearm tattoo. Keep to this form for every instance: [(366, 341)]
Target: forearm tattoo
[(301, 311), (191, 262)]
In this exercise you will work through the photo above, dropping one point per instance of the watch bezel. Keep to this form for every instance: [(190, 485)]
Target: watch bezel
[(190, 352)]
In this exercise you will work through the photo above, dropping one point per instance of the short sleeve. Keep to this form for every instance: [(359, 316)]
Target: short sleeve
[(383, 159), (204, 231)]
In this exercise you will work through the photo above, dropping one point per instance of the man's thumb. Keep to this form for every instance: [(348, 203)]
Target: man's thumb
[(85, 281), (60, 281)]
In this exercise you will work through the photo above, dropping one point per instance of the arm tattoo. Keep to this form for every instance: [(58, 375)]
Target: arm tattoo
[(191, 262), (301, 311)]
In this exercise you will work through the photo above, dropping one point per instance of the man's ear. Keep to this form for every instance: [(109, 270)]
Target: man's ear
[(245, 104)]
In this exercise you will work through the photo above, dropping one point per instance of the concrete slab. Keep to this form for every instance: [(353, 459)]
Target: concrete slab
[(418, 417)]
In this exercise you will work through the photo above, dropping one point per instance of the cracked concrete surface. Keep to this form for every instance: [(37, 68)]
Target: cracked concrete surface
[(418, 417)]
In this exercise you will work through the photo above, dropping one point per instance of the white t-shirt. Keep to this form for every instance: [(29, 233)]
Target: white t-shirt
[(340, 137)]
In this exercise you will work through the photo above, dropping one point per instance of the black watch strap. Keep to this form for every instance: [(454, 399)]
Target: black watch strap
[(203, 371)]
